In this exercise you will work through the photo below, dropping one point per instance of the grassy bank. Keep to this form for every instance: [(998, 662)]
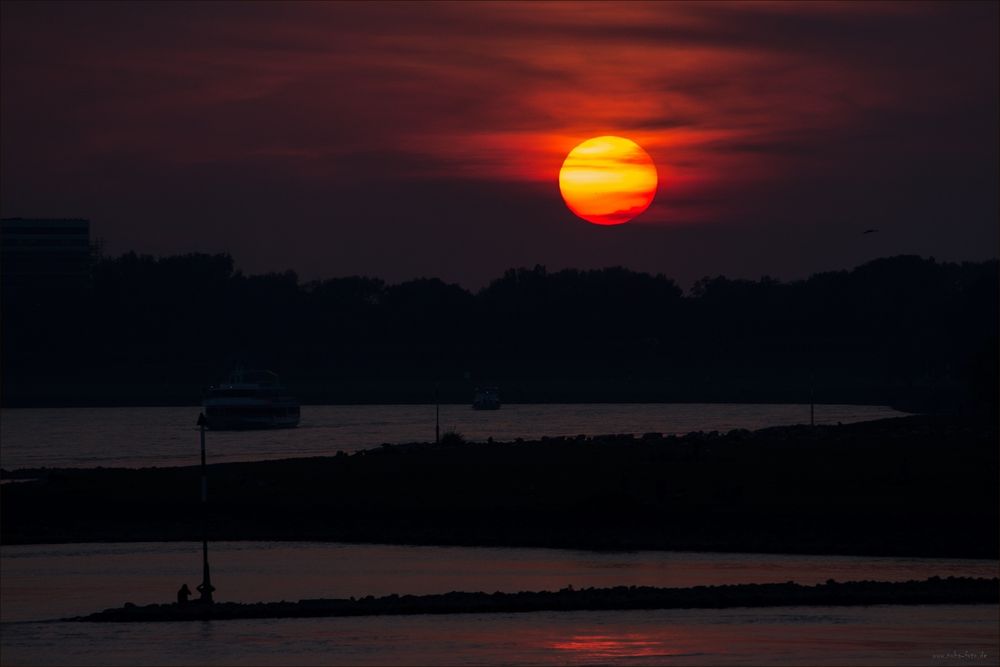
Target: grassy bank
[(915, 486)]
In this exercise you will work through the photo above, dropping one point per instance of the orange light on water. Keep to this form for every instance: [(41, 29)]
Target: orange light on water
[(608, 180), (606, 646)]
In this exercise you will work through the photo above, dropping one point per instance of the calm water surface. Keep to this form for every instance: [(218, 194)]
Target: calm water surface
[(879, 635), (50, 581), (166, 436), (43, 582)]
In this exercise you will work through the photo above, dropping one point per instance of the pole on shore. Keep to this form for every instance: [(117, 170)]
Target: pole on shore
[(206, 587), (437, 414), (812, 399)]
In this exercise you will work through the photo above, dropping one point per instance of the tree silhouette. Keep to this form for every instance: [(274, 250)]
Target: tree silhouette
[(904, 330)]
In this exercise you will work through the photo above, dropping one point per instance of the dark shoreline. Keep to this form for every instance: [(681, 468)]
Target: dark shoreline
[(961, 590), (911, 486), (119, 401)]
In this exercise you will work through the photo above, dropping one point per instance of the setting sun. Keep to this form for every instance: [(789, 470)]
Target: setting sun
[(608, 180)]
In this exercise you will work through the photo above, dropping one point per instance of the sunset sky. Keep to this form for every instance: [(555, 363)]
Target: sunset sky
[(405, 140)]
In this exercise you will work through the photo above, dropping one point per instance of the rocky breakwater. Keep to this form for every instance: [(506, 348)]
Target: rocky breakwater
[(913, 486), (931, 591)]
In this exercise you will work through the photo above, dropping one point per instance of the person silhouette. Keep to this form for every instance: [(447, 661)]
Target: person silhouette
[(183, 594)]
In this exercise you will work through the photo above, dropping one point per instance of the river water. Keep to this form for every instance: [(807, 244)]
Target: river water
[(44, 582), (166, 436)]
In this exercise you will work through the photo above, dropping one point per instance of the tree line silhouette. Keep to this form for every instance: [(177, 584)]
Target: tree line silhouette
[(904, 330)]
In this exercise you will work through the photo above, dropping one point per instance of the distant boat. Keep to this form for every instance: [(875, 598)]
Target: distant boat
[(486, 398), (250, 400)]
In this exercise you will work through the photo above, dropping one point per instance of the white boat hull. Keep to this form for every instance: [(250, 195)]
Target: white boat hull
[(250, 400)]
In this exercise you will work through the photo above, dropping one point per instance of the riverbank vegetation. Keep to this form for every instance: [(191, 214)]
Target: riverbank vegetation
[(913, 486), (904, 331)]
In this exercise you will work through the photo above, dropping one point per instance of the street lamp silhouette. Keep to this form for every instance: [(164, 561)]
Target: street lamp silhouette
[(437, 413), (205, 587)]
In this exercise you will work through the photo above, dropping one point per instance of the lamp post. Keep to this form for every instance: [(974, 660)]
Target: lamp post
[(205, 588)]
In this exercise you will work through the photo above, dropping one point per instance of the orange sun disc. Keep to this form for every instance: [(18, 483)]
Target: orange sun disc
[(608, 180)]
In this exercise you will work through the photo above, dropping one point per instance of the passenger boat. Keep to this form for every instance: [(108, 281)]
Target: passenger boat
[(486, 398), (250, 400)]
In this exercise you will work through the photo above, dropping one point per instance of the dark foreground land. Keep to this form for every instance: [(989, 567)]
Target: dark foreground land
[(916, 486), (932, 591)]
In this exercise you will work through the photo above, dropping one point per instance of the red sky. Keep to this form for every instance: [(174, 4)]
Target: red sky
[(401, 140)]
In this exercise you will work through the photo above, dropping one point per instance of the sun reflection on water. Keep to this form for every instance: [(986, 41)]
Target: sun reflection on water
[(617, 646)]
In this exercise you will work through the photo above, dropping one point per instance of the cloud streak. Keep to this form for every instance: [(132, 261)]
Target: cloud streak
[(752, 111)]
